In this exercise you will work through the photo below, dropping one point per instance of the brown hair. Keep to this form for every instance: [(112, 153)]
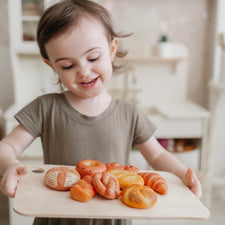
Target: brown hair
[(60, 17)]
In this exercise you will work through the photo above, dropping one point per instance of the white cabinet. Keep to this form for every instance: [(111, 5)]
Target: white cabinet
[(24, 16), (183, 120), (31, 77)]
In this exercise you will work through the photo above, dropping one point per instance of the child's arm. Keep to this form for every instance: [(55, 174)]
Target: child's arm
[(160, 159), (11, 147)]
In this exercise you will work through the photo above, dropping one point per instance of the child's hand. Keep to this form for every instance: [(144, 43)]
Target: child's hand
[(11, 177), (192, 181)]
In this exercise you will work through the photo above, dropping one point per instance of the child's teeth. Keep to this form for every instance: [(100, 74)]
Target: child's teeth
[(88, 82)]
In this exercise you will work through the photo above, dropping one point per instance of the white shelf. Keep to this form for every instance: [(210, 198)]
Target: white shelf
[(27, 48), (183, 110), (153, 59), (217, 86), (30, 18)]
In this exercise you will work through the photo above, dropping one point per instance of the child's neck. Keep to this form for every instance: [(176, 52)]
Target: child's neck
[(89, 106)]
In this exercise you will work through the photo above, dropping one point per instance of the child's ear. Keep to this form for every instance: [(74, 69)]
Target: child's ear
[(48, 63), (114, 44)]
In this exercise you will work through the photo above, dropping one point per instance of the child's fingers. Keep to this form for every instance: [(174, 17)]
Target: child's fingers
[(22, 170), (10, 180), (190, 177), (193, 182), (10, 187), (9, 184), (197, 191)]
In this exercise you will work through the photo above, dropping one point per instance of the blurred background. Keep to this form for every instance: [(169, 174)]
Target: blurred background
[(174, 70)]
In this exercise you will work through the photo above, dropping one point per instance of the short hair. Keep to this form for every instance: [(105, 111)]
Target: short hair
[(61, 16)]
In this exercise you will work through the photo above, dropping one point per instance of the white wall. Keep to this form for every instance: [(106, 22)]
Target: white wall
[(188, 23), (217, 97)]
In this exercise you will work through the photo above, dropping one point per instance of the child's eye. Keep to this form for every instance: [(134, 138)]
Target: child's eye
[(93, 59), (67, 67)]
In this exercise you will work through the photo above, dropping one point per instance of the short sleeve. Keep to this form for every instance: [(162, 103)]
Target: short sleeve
[(31, 117), (144, 127)]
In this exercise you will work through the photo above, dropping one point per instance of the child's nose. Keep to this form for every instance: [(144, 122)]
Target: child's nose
[(84, 71)]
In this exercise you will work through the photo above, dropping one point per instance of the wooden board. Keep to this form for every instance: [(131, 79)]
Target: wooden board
[(33, 198)]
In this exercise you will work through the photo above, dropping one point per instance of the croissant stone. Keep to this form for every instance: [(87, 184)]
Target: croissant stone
[(155, 181)]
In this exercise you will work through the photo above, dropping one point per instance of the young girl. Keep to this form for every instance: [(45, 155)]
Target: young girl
[(78, 42)]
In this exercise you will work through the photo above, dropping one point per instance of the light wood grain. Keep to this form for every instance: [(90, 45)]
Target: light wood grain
[(33, 198)]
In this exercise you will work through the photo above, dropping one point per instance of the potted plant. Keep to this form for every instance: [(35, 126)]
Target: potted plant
[(164, 45)]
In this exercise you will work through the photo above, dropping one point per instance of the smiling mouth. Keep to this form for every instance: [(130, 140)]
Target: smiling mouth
[(89, 84)]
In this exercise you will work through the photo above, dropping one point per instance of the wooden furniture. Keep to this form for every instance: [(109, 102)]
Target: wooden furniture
[(33, 198)]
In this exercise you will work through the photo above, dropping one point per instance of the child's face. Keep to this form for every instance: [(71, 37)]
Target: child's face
[(82, 58)]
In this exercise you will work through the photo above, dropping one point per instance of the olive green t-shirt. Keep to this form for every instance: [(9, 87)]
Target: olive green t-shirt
[(68, 136)]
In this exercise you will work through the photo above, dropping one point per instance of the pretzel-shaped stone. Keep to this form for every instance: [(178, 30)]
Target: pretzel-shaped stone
[(106, 185)]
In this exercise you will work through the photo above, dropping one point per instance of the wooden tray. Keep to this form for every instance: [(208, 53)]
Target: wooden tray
[(33, 198)]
